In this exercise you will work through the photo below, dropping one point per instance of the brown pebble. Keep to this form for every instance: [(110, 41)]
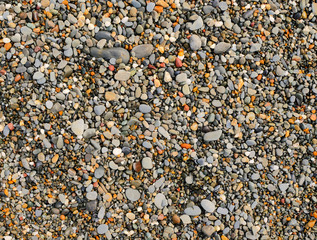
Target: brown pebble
[(176, 219), (23, 15), (137, 166)]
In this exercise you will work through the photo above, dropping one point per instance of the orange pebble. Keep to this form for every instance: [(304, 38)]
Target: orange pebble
[(158, 9), (7, 46), (186, 145), (63, 217), (186, 108)]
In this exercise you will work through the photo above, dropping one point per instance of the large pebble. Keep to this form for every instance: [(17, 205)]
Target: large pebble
[(160, 201), (142, 51), (212, 136), (193, 211), (78, 127), (222, 47), (108, 53), (208, 205), (132, 194), (194, 42), (122, 75)]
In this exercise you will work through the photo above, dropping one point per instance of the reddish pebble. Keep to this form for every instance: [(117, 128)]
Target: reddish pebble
[(111, 68), (178, 63), (17, 78), (3, 72), (37, 49), (186, 108), (160, 217), (180, 94), (162, 65), (35, 16), (252, 24), (10, 126), (137, 166), (283, 200), (151, 66), (95, 184)]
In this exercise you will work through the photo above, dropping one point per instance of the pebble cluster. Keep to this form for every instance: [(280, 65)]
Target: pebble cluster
[(166, 119)]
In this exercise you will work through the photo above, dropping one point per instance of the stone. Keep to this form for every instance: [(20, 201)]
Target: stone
[(164, 133), (208, 230), (283, 186), (89, 133), (160, 201), (208, 205), (91, 195), (78, 127), (144, 108), (147, 163), (142, 51), (109, 53), (91, 206), (185, 219), (193, 211), (176, 219), (99, 109), (222, 47), (122, 75), (110, 96), (99, 172), (132, 194), (102, 228), (212, 136), (194, 42), (197, 24), (103, 35)]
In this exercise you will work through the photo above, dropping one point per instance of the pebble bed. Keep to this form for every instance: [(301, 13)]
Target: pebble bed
[(171, 119)]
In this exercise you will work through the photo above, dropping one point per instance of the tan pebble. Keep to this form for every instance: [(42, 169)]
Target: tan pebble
[(45, 3), (110, 96), (55, 158), (194, 126), (131, 216)]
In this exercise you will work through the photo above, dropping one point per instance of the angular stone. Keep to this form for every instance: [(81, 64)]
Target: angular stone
[(212, 136), (222, 47)]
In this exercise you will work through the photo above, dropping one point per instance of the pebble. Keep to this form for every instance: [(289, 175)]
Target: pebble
[(142, 51), (102, 228), (122, 75), (109, 53), (160, 201), (100, 109), (78, 127), (222, 47), (208, 206), (144, 108), (208, 230), (91, 195), (195, 42), (212, 136), (132, 194), (193, 211), (147, 163), (99, 172)]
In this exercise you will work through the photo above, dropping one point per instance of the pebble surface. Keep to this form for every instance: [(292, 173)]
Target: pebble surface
[(166, 119)]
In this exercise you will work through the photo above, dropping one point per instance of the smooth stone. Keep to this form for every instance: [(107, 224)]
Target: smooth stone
[(164, 133), (283, 186), (208, 230), (145, 108), (122, 75), (255, 47), (147, 163), (26, 30), (100, 109), (212, 136), (99, 172), (109, 53), (132, 194), (142, 51), (103, 35), (222, 47), (185, 219), (208, 205), (186, 89), (216, 103), (160, 200), (110, 96), (38, 75), (89, 133), (193, 211), (197, 24), (101, 213), (92, 195), (150, 6), (91, 206), (102, 229), (78, 127), (25, 164), (223, 211), (194, 42)]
